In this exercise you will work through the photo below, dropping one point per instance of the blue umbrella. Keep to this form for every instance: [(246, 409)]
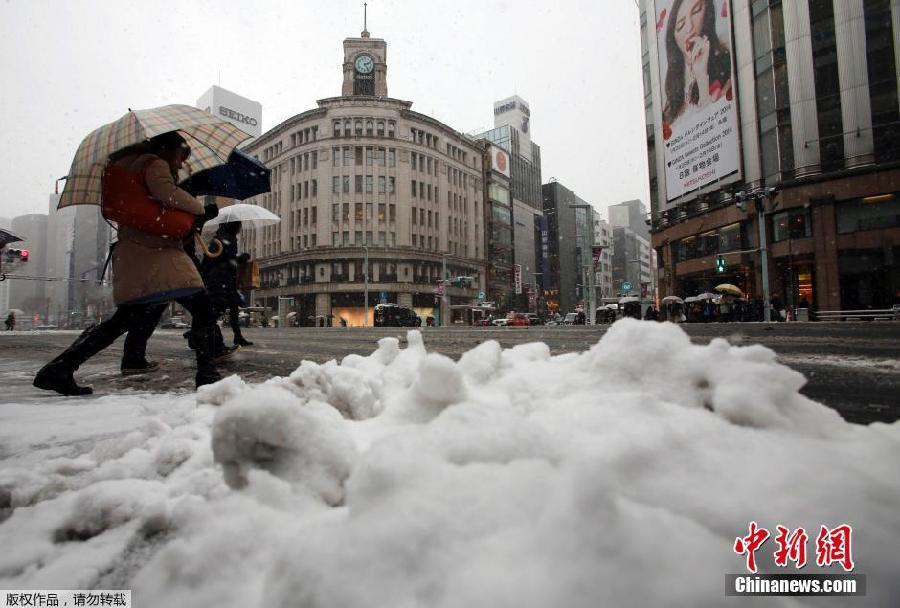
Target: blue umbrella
[(242, 177)]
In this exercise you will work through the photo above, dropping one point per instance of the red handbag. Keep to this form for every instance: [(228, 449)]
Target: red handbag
[(127, 201)]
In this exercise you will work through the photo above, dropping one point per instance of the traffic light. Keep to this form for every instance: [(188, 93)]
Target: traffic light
[(16, 255), (720, 263)]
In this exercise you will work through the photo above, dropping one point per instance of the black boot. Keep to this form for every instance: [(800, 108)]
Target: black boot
[(189, 336), (240, 341), (204, 345), (220, 350), (58, 374)]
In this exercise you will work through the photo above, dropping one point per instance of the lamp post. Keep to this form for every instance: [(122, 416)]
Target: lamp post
[(761, 199), (366, 287)]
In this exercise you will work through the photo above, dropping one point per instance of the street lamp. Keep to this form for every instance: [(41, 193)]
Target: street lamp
[(761, 199), (366, 288)]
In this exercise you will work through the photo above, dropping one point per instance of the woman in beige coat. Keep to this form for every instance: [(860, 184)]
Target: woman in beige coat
[(148, 271)]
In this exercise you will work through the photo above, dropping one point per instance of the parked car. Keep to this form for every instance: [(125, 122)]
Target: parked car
[(45, 327), (499, 322), (534, 319), (393, 315), (570, 318), (175, 323), (517, 319)]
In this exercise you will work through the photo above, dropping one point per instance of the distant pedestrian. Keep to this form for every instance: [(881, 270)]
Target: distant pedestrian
[(650, 314), (10, 321), (220, 274)]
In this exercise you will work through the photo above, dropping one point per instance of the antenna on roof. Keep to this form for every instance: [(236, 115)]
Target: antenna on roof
[(365, 32)]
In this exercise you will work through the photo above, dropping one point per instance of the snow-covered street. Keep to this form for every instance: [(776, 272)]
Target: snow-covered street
[(403, 478)]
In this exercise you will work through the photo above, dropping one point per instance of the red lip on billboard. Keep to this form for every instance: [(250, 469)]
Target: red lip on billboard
[(662, 20), (724, 9)]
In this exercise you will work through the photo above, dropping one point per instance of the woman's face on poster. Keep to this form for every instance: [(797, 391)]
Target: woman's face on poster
[(689, 24)]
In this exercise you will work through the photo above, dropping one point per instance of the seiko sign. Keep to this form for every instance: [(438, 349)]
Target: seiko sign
[(512, 106), (229, 113)]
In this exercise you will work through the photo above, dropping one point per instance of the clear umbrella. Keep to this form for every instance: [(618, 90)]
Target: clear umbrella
[(253, 215)]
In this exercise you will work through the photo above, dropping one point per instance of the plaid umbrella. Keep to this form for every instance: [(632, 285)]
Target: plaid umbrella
[(211, 140)]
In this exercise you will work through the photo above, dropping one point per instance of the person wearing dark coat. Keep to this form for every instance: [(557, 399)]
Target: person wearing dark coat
[(220, 274)]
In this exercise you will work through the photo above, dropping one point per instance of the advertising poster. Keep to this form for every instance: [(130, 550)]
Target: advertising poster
[(499, 161), (699, 107)]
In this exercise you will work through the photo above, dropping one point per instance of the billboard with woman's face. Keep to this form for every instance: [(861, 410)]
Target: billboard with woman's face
[(699, 111)]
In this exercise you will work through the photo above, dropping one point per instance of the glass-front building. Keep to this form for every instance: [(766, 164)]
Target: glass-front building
[(816, 86)]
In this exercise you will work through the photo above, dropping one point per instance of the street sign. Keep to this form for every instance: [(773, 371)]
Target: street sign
[(481, 296), (383, 297), (626, 286)]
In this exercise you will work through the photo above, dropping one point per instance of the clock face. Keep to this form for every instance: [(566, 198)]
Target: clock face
[(364, 64)]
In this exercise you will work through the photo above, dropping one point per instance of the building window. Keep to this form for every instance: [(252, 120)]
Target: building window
[(335, 157), (370, 155), (358, 155), (392, 157), (348, 156), (358, 212), (828, 86), (336, 184), (357, 237), (414, 188), (315, 187), (369, 128), (413, 216), (345, 208), (368, 184), (368, 237), (866, 214), (381, 212), (382, 184), (337, 128), (315, 160), (391, 127), (334, 239), (312, 219), (368, 211), (358, 185), (793, 224), (880, 41), (382, 238), (391, 184), (359, 127), (335, 213), (392, 212), (346, 180), (772, 93)]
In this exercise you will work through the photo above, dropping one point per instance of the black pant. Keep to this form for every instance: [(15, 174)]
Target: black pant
[(222, 304), (140, 321)]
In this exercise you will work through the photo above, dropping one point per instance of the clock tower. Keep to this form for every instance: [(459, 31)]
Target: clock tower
[(365, 66)]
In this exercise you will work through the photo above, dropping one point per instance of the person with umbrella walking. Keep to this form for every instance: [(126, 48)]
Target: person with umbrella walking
[(220, 276), (148, 270), (10, 321)]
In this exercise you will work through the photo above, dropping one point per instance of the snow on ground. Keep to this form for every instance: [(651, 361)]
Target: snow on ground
[(619, 476)]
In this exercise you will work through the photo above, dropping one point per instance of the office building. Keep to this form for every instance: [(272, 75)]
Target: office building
[(365, 178)]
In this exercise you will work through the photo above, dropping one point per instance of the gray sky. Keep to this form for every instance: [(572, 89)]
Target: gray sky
[(68, 66)]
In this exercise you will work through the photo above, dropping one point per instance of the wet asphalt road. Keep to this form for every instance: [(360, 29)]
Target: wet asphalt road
[(852, 367)]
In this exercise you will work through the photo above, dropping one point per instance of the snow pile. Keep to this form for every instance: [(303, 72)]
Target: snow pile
[(618, 476)]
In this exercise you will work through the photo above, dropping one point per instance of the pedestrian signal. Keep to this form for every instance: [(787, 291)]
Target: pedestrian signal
[(720, 263), (16, 255)]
